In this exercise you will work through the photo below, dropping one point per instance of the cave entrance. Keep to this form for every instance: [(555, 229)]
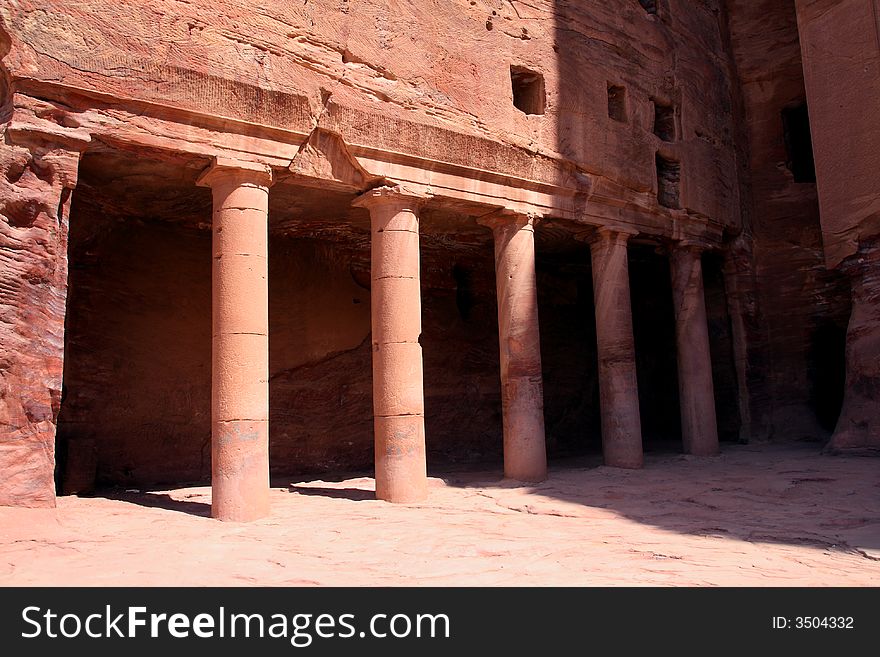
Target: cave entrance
[(136, 401), (826, 351), (827, 371)]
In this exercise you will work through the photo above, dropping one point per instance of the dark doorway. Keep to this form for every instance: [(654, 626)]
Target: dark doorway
[(656, 359), (798, 143), (568, 345)]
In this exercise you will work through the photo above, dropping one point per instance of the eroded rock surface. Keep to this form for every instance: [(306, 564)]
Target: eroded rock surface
[(38, 171)]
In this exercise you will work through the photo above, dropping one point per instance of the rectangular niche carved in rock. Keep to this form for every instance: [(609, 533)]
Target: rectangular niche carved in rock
[(649, 6), (664, 121), (668, 179), (617, 103), (528, 90)]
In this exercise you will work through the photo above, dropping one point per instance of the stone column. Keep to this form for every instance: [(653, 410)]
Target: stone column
[(749, 349), (522, 389), (618, 386), (699, 429), (398, 396), (240, 361), (39, 162)]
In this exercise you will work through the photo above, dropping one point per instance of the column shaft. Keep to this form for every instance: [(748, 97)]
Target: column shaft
[(618, 386), (522, 390), (240, 364), (697, 398), (398, 395)]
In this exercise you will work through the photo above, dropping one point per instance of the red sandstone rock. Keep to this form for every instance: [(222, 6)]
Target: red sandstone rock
[(662, 126), (859, 424), (618, 387), (781, 292), (699, 427), (38, 163), (240, 346), (522, 389), (841, 53)]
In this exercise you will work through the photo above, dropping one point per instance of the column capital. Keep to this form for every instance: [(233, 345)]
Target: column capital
[(606, 234), (225, 169), (503, 218), (689, 246), (404, 198)]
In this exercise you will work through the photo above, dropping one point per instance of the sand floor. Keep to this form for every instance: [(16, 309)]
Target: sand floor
[(757, 515)]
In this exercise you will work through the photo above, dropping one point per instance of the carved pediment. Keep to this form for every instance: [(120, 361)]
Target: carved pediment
[(324, 161)]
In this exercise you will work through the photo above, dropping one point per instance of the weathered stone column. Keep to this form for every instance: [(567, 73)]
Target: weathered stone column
[(240, 362), (398, 394), (858, 426), (39, 161), (699, 428), (522, 388), (618, 385)]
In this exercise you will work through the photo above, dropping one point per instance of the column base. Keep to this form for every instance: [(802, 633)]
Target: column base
[(624, 460), (525, 451), (704, 450), (240, 471), (401, 472)]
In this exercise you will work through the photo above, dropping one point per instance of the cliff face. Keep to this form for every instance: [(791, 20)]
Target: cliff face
[(796, 340), (840, 42), (37, 176)]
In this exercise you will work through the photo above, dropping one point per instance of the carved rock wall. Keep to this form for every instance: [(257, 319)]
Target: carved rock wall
[(698, 86), (425, 77), (137, 368), (138, 376), (422, 77), (859, 423), (840, 41), (38, 170), (792, 307), (138, 361)]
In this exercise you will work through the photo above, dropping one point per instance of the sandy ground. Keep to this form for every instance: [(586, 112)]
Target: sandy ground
[(766, 516)]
